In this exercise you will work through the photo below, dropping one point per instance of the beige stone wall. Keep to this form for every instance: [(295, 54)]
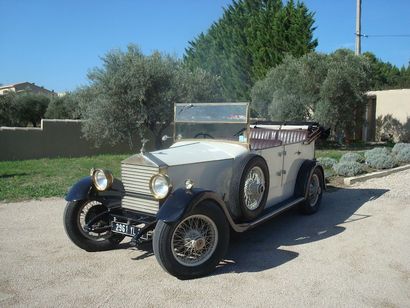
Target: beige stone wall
[(394, 102), (55, 138)]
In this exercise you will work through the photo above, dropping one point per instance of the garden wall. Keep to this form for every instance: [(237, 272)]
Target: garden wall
[(55, 138)]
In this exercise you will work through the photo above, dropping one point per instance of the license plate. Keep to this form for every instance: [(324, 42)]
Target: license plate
[(122, 228)]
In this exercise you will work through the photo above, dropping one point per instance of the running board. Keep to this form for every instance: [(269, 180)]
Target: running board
[(271, 213)]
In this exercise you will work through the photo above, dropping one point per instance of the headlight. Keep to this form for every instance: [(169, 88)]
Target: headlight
[(160, 185), (102, 179)]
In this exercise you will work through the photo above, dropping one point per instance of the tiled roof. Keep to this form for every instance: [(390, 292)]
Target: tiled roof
[(5, 86)]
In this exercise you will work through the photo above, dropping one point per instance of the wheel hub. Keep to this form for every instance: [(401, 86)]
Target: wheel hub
[(194, 240), (198, 244), (253, 188)]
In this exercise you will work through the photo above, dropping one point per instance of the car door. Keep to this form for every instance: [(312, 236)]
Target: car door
[(274, 159), (294, 155)]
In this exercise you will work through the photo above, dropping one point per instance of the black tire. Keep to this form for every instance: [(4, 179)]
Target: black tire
[(238, 190), (166, 235), (314, 191), (80, 237)]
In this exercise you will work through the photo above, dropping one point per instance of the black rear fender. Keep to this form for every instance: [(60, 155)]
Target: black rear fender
[(305, 171)]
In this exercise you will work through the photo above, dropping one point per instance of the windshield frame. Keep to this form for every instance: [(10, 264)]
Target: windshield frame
[(245, 122)]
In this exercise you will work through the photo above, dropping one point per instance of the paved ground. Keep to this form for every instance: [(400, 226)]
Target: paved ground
[(354, 252)]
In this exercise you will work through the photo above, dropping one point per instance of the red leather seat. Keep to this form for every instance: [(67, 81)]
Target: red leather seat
[(292, 136), (261, 138)]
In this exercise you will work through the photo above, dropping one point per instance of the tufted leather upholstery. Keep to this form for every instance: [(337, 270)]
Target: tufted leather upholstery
[(292, 136), (261, 138), (265, 134)]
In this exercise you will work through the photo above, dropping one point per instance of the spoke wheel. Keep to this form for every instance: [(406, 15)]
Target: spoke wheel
[(87, 212), (192, 246), (254, 188), (312, 192), (315, 190), (194, 240), (78, 214)]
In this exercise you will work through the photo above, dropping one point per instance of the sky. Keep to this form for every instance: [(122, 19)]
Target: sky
[(54, 43)]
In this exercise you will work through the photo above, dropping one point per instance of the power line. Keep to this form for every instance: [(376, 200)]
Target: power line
[(386, 35)]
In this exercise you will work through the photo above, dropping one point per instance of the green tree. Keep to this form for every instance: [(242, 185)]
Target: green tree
[(343, 93), (132, 92), (404, 82), (327, 88), (31, 108), (386, 75), (291, 90), (251, 37), (63, 107), (8, 110)]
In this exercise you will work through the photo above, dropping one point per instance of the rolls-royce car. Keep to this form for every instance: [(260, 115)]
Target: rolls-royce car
[(222, 174)]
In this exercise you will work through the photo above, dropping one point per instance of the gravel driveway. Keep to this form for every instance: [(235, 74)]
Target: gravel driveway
[(354, 252)]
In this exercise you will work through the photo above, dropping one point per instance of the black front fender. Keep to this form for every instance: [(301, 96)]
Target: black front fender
[(183, 201), (80, 190), (84, 190)]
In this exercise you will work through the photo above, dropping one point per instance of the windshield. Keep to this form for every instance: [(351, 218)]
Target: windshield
[(228, 121)]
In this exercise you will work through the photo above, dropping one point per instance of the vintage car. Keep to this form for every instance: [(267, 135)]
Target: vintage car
[(222, 174)]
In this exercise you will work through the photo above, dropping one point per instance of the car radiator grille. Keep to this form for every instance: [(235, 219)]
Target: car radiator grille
[(136, 182)]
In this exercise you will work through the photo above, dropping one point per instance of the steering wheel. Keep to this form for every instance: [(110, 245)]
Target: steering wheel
[(204, 135)]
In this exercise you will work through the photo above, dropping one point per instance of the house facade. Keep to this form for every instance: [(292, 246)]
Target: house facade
[(25, 87), (385, 102)]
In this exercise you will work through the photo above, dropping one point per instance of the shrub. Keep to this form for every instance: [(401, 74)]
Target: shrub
[(348, 168), (403, 155), (376, 152), (327, 162), (400, 146), (381, 161), (329, 173), (352, 156)]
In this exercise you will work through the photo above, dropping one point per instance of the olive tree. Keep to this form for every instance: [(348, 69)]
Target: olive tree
[(22, 109), (326, 88), (8, 110), (31, 108), (63, 107), (342, 95), (132, 92), (291, 90)]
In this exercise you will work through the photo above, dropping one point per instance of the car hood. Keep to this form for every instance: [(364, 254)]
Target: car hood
[(189, 152)]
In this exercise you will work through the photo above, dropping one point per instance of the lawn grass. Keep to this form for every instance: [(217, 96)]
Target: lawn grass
[(336, 154), (39, 178)]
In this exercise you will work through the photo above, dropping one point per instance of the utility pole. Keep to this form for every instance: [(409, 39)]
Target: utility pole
[(358, 49)]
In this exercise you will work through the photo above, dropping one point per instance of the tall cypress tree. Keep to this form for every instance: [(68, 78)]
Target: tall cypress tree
[(251, 37)]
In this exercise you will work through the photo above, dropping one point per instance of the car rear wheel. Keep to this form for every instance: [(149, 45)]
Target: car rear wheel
[(194, 245), (314, 192), (87, 224)]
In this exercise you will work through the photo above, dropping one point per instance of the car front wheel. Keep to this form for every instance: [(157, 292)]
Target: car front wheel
[(87, 224), (194, 245)]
